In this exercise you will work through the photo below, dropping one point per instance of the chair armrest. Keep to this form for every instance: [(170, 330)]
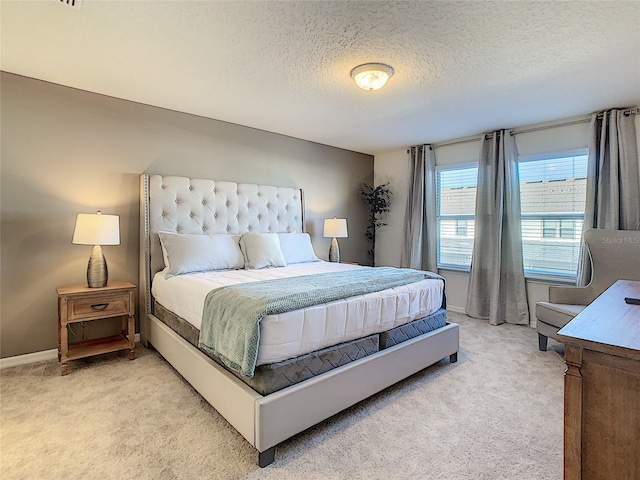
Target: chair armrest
[(571, 295)]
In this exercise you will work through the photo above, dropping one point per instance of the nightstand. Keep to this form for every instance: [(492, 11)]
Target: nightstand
[(79, 303)]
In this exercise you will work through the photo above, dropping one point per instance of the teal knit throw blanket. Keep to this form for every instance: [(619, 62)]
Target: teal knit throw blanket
[(231, 316)]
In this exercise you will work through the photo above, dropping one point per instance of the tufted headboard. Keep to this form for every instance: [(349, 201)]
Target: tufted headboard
[(199, 206)]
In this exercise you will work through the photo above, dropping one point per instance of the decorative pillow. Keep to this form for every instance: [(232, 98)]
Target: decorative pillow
[(186, 253), (297, 248), (261, 250)]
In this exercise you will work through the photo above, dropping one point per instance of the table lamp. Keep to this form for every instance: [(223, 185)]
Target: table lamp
[(335, 228), (97, 230)]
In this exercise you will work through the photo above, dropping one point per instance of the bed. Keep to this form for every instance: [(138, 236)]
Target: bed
[(263, 409)]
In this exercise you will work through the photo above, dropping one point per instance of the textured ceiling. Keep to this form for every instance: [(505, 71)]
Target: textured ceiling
[(461, 67)]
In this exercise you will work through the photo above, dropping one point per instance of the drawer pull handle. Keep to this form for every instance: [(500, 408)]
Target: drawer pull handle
[(99, 306)]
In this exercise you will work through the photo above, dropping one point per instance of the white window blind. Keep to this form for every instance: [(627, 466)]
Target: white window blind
[(552, 193), (456, 200)]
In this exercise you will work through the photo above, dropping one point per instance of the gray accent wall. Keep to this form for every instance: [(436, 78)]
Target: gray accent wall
[(67, 151)]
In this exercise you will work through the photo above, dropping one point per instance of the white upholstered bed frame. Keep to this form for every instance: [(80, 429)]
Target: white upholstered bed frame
[(185, 205)]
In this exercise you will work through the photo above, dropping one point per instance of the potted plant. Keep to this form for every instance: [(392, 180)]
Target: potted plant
[(379, 201)]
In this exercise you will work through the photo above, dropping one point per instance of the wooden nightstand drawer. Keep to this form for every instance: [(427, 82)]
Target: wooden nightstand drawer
[(102, 306)]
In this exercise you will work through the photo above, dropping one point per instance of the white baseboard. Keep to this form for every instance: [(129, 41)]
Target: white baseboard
[(453, 308), (35, 357), (28, 358)]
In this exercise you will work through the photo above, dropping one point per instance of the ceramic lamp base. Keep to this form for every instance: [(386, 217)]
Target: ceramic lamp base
[(97, 273), (334, 251)]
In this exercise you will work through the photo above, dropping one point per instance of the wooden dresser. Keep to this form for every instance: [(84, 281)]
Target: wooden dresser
[(602, 388)]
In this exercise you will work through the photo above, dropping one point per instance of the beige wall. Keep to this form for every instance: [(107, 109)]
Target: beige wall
[(66, 151)]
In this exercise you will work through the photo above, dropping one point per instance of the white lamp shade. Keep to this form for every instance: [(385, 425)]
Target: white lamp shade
[(335, 227), (96, 229)]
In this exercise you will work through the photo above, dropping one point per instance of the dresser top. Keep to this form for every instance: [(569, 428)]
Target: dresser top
[(608, 325)]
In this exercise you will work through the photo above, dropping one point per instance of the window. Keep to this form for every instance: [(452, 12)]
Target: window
[(549, 228), (462, 227), (568, 227), (455, 204), (552, 193), (559, 229)]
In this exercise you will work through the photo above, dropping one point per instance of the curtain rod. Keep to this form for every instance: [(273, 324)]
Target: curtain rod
[(533, 128)]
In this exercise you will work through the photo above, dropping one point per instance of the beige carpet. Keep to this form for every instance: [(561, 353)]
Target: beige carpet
[(496, 414)]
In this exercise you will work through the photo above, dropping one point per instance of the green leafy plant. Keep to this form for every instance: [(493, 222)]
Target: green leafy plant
[(379, 201)]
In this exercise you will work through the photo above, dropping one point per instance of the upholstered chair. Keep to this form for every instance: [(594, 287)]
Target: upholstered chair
[(615, 255)]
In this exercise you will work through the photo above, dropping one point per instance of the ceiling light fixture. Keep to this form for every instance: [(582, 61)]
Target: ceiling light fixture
[(371, 76)]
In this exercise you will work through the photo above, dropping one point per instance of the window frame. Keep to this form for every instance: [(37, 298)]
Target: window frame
[(452, 266), (529, 274), (537, 275)]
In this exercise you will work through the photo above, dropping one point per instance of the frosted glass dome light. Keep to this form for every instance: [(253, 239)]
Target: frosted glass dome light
[(371, 76)]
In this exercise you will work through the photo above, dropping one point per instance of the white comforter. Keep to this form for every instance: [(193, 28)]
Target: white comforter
[(295, 333)]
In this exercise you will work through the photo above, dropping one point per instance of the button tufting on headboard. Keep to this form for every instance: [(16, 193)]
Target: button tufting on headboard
[(201, 206)]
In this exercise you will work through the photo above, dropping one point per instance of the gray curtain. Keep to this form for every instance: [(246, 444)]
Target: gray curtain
[(497, 289), (613, 179), (420, 228)]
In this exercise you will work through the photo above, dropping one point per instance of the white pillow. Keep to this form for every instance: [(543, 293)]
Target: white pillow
[(186, 253), (261, 250), (297, 248)]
